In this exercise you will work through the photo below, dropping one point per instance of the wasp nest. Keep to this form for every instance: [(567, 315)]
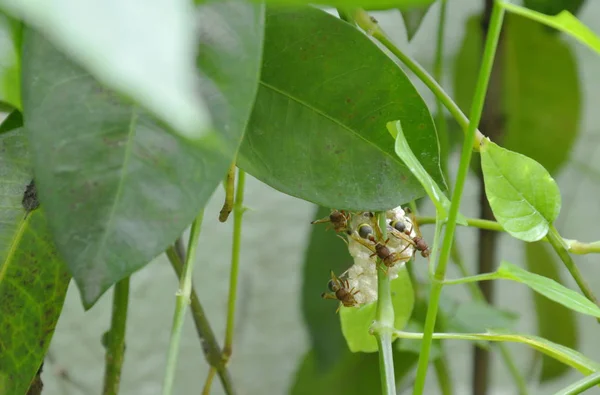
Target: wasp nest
[(358, 285)]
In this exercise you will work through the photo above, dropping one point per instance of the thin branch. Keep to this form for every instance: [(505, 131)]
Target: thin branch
[(115, 340)]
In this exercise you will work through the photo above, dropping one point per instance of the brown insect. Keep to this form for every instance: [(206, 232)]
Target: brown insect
[(418, 242), (339, 220), (339, 289), (379, 249)]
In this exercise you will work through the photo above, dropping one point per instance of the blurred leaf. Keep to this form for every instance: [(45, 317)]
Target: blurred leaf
[(325, 252), (10, 67), (33, 280), (367, 4), (555, 322), (117, 187), (564, 21), (474, 316), (319, 121), (523, 196), (353, 374), (541, 95), (357, 321), (412, 17), (146, 52), (553, 7), (547, 287), (13, 121)]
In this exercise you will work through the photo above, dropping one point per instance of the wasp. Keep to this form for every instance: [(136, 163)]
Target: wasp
[(417, 241), (381, 250), (339, 220), (339, 289)]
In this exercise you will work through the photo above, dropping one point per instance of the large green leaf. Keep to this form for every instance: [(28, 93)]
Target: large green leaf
[(33, 280), (10, 65), (555, 322), (318, 129), (117, 187), (146, 52), (357, 321), (552, 7), (540, 95), (325, 252), (523, 196), (353, 374)]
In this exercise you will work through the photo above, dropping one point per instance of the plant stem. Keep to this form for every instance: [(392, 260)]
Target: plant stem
[(228, 183), (472, 279), (580, 386), (209, 380), (115, 346), (210, 346), (557, 242), (465, 160), (438, 69), (443, 375), (238, 211), (364, 21), (384, 322), (182, 300)]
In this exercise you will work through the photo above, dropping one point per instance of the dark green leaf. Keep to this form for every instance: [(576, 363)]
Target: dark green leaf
[(325, 252), (118, 188), (555, 322), (354, 374), (553, 7), (12, 122), (10, 67), (33, 280), (145, 52), (523, 196), (412, 17), (319, 132), (540, 95), (357, 321)]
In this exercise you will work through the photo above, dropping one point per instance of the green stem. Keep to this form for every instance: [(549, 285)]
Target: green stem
[(367, 24), (438, 69), (182, 300), (238, 211), (465, 160), (513, 369), (580, 386), (115, 347), (472, 279), (210, 345), (557, 242), (384, 325), (443, 375)]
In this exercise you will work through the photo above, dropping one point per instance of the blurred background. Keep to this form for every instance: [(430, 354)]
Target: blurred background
[(271, 338)]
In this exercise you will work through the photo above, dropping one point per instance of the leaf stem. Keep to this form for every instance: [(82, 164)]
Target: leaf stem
[(238, 212), (384, 322), (580, 386), (465, 160), (115, 346), (182, 300), (372, 28), (228, 183), (558, 244), (210, 345)]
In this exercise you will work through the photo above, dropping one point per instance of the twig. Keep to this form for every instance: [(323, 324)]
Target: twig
[(115, 340)]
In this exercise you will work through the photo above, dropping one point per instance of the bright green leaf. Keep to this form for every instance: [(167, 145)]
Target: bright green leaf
[(553, 7), (357, 321), (146, 52), (10, 64), (118, 188), (564, 21), (325, 252), (523, 196), (555, 322), (33, 280), (540, 100), (412, 17), (549, 288), (319, 132)]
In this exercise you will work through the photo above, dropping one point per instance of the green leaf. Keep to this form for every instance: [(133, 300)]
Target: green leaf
[(325, 252), (10, 68), (353, 374), (553, 7), (412, 17), (541, 94), (367, 4), (145, 52), (118, 188), (33, 280), (555, 322), (549, 288), (13, 121), (523, 196), (564, 21), (357, 321), (475, 316), (318, 129)]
